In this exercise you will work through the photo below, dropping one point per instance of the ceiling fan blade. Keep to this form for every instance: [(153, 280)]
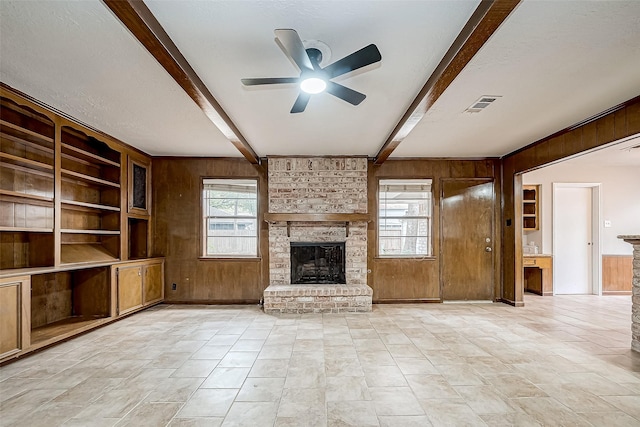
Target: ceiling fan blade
[(361, 58), (269, 81), (291, 44), (351, 96), (301, 103)]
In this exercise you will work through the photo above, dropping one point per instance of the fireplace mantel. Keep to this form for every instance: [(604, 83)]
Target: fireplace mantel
[(316, 217), (322, 217)]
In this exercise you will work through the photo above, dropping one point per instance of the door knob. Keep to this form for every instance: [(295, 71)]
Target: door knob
[(487, 249)]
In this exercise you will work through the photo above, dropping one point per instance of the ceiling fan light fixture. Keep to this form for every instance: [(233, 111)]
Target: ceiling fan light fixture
[(313, 85), (314, 78)]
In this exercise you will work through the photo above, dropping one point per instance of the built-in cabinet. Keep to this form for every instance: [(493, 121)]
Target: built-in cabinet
[(139, 284), (74, 209), (129, 283), (538, 274), (139, 207), (14, 320)]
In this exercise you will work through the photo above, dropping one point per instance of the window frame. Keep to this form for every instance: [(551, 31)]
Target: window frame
[(429, 218), (203, 221)]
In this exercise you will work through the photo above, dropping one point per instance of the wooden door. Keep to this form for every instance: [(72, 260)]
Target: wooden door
[(129, 288), (153, 283), (467, 215)]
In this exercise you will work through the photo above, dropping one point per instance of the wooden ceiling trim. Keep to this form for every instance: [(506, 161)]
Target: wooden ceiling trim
[(138, 19), (486, 19)]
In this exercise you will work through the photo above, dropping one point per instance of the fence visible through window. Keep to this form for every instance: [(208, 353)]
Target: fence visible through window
[(404, 217), (230, 217)]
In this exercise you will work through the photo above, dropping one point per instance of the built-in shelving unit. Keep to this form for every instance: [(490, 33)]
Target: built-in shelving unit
[(138, 207), (26, 186), (91, 198), (65, 301), (67, 225), (530, 207)]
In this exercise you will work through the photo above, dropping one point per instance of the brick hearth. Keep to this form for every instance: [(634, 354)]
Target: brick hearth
[(317, 299)]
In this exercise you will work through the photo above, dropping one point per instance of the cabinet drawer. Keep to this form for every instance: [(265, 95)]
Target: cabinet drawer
[(530, 261)]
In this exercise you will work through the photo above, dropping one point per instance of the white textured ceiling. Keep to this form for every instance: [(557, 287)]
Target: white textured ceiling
[(77, 57), (553, 64), (226, 41)]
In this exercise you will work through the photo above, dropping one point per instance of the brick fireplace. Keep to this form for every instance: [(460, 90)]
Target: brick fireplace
[(317, 200)]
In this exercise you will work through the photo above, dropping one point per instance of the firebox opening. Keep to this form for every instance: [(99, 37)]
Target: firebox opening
[(318, 263)]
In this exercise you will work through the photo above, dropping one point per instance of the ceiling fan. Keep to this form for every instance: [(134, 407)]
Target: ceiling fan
[(314, 79)]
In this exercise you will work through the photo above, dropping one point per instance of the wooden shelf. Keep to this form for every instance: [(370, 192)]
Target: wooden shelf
[(26, 131), (26, 196), (27, 229), (87, 156), (27, 143), (346, 218), (90, 206), (324, 217), (89, 178), (83, 231), (24, 169), (10, 159), (84, 253), (63, 328)]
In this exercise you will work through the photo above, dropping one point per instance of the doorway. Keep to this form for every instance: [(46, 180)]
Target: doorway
[(576, 238), (467, 239)]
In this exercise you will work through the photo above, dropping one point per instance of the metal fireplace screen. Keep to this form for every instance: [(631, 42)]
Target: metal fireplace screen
[(322, 263)]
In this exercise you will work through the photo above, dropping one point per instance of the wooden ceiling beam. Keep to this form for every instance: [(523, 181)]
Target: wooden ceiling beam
[(138, 19), (486, 19)]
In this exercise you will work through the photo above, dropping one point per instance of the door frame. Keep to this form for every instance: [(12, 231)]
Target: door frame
[(494, 244), (596, 215)]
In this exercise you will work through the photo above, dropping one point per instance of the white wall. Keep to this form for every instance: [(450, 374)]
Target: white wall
[(620, 198)]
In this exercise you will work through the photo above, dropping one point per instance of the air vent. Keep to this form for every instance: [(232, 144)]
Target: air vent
[(625, 143), (482, 103)]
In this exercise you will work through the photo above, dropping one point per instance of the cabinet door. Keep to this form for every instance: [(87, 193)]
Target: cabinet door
[(12, 321), (129, 289), (139, 186), (153, 283)]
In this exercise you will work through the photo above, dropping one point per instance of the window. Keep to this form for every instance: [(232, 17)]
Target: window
[(230, 209), (404, 217)]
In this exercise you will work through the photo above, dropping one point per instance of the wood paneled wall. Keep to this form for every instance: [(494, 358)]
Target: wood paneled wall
[(617, 274), (612, 125), (177, 227), (418, 279)]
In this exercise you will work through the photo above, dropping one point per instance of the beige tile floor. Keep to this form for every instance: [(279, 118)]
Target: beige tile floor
[(557, 361)]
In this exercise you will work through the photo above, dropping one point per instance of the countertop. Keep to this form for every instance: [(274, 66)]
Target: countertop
[(629, 236)]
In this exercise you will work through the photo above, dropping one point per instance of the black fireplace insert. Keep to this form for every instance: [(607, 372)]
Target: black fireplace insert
[(318, 263)]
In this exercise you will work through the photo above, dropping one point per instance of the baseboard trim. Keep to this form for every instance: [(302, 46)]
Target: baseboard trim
[(512, 303), (406, 300), (213, 302)]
